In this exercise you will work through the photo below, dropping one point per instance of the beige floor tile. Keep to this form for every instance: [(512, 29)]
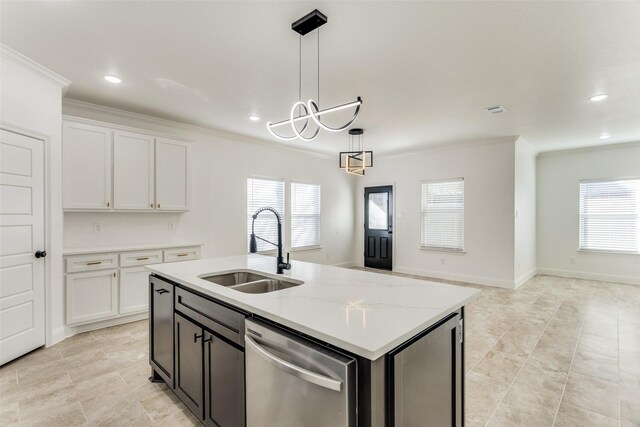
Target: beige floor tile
[(601, 345), (572, 416), (182, 418), (629, 386), (9, 413), (630, 342), (630, 362), (502, 366), (596, 365), (161, 405), (120, 414), (630, 412), (593, 394), (607, 330), (482, 395), (62, 415)]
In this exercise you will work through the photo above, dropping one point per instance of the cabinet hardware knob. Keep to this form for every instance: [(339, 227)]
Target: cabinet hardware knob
[(196, 337), (158, 205), (114, 274), (151, 204), (182, 254), (94, 262), (108, 204), (206, 340), (41, 254), (161, 291), (142, 258)]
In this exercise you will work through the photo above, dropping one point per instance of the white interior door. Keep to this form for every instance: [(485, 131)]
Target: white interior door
[(22, 326)]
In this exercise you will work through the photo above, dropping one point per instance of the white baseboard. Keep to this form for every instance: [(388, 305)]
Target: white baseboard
[(58, 334), (477, 280), (347, 264), (64, 332), (526, 276), (632, 280)]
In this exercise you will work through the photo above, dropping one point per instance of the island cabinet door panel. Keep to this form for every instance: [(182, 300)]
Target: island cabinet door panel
[(426, 379), (189, 367), (224, 383), (161, 328)]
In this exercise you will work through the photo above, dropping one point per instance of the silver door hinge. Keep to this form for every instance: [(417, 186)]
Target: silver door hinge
[(460, 331)]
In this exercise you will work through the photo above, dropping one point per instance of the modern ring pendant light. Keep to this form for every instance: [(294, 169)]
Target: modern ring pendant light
[(305, 111)]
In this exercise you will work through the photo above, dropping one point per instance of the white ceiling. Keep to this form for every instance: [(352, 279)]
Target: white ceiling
[(425, 70)]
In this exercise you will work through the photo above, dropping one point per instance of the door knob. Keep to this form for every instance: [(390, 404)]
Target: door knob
[(41, 254)]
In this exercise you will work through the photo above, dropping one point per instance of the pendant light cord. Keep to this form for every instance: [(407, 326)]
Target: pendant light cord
[(318, 67), (299, 72)]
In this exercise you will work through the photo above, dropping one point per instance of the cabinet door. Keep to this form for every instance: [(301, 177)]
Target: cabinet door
[(134, 290), (172, 175), (224, 383), (161, 328), (133, 174), (92, 296), (86, 167), (189, 374)]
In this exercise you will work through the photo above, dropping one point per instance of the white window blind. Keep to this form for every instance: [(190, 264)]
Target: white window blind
[(443, 215), (610, 215), (305, 215), (260, 193)]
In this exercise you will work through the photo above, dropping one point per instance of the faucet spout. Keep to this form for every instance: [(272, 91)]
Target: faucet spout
[(281, 265)]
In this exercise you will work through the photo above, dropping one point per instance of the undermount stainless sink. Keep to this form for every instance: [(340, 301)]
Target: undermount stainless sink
[(250, 283)]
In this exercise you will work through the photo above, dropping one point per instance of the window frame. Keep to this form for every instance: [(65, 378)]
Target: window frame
[(581, 216), (425, 247), (290, 213)]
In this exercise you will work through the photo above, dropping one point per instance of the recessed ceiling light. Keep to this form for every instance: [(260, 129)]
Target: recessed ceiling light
[(596, 98), (113, 79), (254, 118), (605, 136)]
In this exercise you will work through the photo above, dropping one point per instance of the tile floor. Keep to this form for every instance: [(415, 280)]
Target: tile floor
[(557, 351)]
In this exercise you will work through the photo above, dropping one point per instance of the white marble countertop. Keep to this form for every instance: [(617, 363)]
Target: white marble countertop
[(126, 248), (365, 313)]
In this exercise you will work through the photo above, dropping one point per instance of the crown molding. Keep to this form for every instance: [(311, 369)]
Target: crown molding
[(599, 147), (8, 53), (88, 106)]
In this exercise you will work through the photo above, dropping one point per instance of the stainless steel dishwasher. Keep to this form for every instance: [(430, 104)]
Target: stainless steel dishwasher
[(291, 381)]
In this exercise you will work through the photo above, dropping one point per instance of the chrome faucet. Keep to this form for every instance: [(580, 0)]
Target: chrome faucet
[(253, 245)]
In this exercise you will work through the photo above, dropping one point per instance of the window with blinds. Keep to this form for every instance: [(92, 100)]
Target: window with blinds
[(610, 215), (260, 193), (443, 215), (305, 215)]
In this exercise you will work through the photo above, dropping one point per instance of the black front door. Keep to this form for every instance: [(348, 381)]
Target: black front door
[(378, 227)]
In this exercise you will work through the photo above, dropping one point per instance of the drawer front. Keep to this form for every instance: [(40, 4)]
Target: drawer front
[(213, 316), (91, 262), (181, 254), (129, 259)]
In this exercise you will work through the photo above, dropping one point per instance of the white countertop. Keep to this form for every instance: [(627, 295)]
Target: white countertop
[(365, 313), (125, 248)]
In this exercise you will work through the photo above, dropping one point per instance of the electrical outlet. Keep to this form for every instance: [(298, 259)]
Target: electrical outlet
[(171, 226), (573, 260), (328, 256), (97, 227), (442, 261)]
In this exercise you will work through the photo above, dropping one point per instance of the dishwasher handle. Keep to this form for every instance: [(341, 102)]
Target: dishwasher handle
[(292, 369)]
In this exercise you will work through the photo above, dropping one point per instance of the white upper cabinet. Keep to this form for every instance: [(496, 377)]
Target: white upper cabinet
[(133, 171), (172, 175), (86, 153), (116, 168)]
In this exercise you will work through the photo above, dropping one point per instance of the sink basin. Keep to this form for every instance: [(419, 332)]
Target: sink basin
[(250, 283), (264, 286), (232, 279)]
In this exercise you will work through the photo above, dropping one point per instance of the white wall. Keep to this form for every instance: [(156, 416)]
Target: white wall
[(488, 171), (30, 101), (221, 164), (558, 177), (524, 263)]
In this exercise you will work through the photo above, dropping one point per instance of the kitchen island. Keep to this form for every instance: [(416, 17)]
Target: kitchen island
[(317, 345)]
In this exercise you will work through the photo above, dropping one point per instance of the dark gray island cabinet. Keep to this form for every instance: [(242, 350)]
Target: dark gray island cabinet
[(199, 346)]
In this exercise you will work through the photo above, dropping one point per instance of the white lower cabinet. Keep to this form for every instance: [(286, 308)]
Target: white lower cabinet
[(92, 296), (134, 290), (108, 285)]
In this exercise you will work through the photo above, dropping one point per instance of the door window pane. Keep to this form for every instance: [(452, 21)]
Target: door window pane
[(378, 211)]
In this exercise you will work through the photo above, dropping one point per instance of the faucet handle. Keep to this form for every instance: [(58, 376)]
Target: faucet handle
[(287, 264)]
